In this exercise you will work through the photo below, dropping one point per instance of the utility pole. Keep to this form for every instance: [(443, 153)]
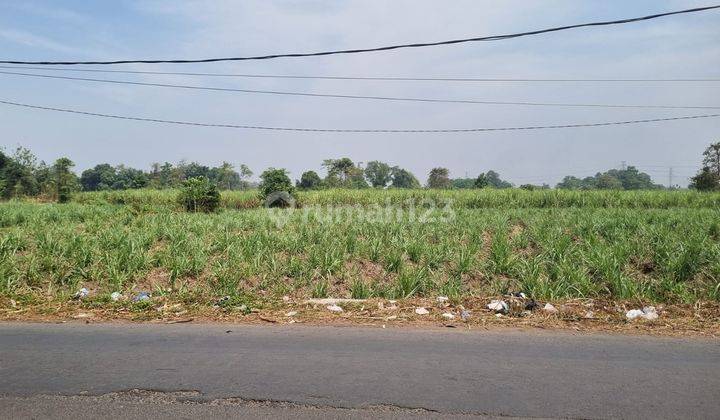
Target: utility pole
[(670, 176), (623, 165)]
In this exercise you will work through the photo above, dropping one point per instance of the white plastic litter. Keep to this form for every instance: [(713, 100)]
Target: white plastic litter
[(650, 313), (82, 293), (115, 296), (334, 308), (498, 306), (634, 314), (332, 301), (647, 312), (448, 315), (421, 311), (142, 297), (549, 308), (291, 313), (465, 315), (442, 299)]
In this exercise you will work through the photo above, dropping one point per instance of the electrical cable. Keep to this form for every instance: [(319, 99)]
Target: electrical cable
[(371, 78), (342, 130), (339, 96), (376, 49)]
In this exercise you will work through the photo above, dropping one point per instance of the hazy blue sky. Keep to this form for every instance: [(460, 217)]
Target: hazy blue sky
[(681, 46)]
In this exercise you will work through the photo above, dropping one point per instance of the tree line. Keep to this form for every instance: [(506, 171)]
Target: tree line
[(22, 174)]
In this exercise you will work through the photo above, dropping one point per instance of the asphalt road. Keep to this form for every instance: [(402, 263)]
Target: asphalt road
[(86, 370)]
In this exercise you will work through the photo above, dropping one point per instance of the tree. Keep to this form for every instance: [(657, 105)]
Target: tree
[(608, 182), (339, 171), (632, 179), (705, 180), (343, 173), (439, 178), (616, 179), (356, 179), (379, 174), (274, 180), (493, 179), (22, 178), (129, 178), (570, 183), (199, 194), (309, 180), (402, 178), (225, 177), (65, 179), (463, 183), (482, 181), (711, 158), (245, 175), (101, 177)]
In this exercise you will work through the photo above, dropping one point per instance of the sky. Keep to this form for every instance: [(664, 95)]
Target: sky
[(686, 46)]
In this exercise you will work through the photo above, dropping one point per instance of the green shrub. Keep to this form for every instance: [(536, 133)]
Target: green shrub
[(276, 186), (199, 194)]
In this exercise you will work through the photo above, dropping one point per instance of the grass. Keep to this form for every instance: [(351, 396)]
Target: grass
[(465, 199), (651, 246)]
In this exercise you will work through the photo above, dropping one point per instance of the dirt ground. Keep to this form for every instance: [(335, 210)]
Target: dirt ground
[(586, 315)]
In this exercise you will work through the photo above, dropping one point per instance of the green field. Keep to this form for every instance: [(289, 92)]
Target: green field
[(553, 245), (470, 199)]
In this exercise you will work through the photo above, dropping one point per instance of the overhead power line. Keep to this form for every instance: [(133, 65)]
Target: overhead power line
[(361, 130), (376, 49), (372, 78), (341, 96)]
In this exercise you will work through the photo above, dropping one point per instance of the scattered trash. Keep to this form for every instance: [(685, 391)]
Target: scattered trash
[(531, 305), (498, 306), (266, 319), (392, 302), (465, 315), (332, 301), (222, 300), (142, 297), (647, 312), (421, 311), (115, 296), (243, 308), (179, 321), (334, 308), (13, 303), (291, 313), (589, 315), (83, 315), (381, 306), (448, 315), (498, 315), (286, 299), (549, 308), (82, 293), (525, 313), (391, 317), (650, 313), (519, 295), (442, 299), (634, 313)]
